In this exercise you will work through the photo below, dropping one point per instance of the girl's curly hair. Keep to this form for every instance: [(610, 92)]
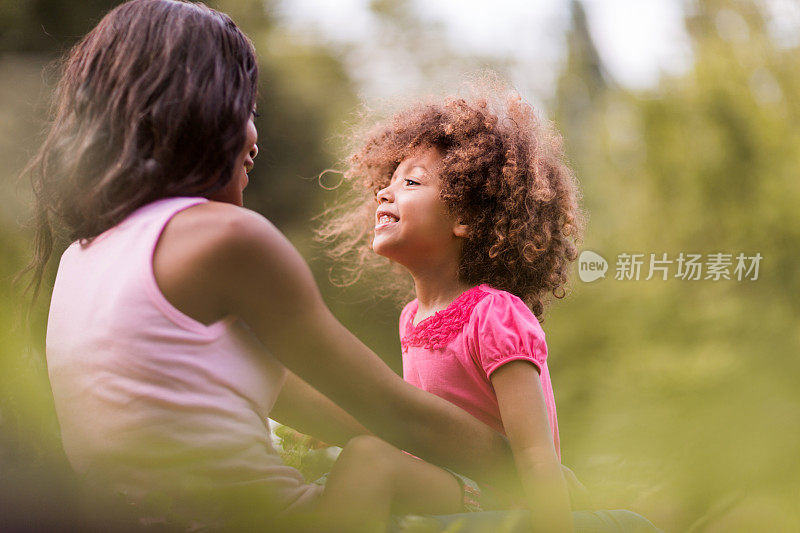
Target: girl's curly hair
[(504, 174)]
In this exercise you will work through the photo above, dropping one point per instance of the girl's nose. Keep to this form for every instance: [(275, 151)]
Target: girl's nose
[(384, 195), (254, 151)]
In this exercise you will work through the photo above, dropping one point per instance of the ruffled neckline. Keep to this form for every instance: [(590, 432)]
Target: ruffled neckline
[(437, 330)]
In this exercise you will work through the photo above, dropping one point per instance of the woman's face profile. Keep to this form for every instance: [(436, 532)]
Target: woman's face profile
[(232, 193)]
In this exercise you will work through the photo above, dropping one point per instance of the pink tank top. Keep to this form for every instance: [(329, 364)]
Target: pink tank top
[(149, 399)]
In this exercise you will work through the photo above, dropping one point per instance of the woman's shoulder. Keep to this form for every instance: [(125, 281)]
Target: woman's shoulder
[(218, 217), (211, 228), (221, 249)]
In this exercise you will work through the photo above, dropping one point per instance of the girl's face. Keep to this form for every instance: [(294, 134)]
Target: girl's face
[(412, 225), (232, 192)]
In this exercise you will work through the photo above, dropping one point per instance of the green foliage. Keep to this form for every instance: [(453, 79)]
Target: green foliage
[(311, 457), (47, 25), (674, 395)]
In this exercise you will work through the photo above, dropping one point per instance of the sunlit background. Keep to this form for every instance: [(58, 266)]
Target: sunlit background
[(678, 399)]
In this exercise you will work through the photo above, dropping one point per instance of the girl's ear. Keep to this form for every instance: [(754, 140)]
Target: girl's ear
[(461, 230)]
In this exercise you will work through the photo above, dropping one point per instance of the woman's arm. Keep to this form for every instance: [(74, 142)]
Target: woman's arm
[(524, 413), (302, 407), (252, 271)]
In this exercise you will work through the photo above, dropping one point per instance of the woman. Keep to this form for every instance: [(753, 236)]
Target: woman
[(176, 312)]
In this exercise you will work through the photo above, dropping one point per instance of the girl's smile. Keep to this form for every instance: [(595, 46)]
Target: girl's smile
[(385, 218), (412, 224)]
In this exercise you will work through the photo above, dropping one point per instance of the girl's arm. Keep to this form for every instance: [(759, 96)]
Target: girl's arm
[(249, 269), (524, 414), (302, 407)]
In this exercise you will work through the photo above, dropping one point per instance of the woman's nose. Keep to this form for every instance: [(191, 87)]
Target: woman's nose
[(254, 151)]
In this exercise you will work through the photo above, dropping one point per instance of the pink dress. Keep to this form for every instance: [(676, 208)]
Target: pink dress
[(453, 353), (150, 400)]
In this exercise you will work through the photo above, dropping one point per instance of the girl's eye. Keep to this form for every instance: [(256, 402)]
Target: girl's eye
[(255, 114), (411, 182)]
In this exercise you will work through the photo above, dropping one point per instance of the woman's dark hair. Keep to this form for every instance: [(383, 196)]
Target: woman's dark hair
[(152, 103)]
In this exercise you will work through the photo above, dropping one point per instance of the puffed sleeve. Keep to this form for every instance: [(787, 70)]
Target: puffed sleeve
[(503, 329)]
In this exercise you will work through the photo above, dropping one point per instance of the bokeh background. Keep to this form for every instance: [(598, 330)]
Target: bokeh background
[(677, 399)]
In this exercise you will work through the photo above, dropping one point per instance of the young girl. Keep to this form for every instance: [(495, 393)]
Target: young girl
[(475, 201), (176, 312)]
